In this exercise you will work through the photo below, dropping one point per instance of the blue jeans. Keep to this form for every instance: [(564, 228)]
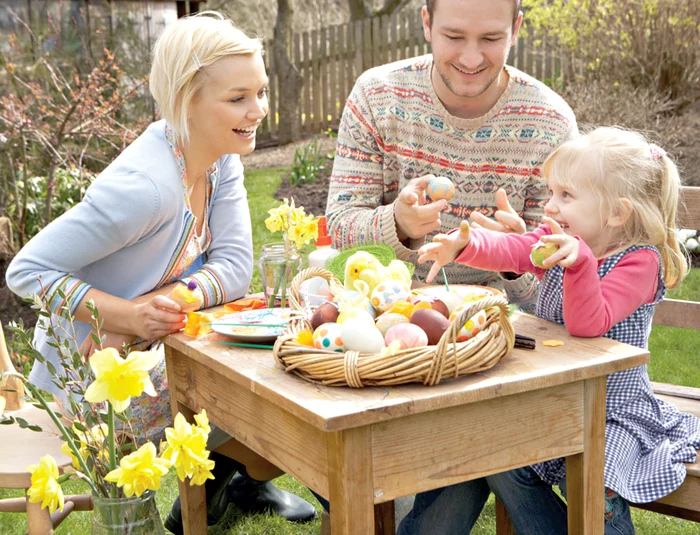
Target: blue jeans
[(533, 507)]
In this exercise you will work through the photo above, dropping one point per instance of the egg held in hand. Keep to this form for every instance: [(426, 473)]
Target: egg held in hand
[(188, 296), (440, 187), (541, 251)]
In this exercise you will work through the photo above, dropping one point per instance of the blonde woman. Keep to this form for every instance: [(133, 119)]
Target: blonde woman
[(612, 214), (171, 209)]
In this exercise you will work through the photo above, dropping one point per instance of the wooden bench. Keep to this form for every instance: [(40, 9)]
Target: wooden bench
[(684, 502)]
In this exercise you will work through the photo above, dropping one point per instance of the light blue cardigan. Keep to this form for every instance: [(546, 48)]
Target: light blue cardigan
[(126, 235)]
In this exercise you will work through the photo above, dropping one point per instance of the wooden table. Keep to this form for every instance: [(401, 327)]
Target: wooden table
[(369, 446)]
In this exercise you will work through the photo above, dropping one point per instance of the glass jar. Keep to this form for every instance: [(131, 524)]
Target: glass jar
[(126, 516), (278, 267)]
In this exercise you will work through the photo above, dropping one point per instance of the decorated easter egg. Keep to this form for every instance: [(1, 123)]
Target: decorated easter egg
[(408, 334), (387, 320), (389, 292), (473, 326), (541, 251), (358, 336), (440, 187), (328, 337), (326, 313), (432, 322)]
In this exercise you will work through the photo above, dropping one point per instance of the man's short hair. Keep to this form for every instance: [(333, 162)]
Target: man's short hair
[(430, 4)]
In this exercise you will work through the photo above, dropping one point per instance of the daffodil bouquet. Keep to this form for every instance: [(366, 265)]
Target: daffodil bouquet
[(99, 394), (298, 229)]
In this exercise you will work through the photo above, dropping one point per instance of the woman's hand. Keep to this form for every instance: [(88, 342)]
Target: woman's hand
[(115, 340), (414, 218), (567, 253), (506, 219), (157, 317), (444, 249)]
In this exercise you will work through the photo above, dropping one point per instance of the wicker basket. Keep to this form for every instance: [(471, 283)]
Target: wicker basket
[(428, 365)]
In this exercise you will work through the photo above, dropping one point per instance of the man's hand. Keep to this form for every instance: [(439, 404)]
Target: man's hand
[(567, 253), (444, 249), (506, 218), (414, 218)]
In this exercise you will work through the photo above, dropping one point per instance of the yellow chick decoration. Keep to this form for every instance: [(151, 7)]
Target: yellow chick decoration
[(364, 266)]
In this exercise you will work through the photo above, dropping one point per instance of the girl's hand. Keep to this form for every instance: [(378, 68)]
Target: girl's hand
[(568, 245), (506, 219), (157, 317), (444, 249), (115, 340)]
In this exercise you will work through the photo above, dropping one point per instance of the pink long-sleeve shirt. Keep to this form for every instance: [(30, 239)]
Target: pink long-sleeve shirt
[(591, 305)]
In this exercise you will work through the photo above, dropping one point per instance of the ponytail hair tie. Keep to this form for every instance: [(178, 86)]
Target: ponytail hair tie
[(656, 152)]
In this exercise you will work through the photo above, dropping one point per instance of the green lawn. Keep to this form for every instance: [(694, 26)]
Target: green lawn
[(675, 359)]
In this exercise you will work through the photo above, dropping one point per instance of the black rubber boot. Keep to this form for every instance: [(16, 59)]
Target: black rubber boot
[(254, 496), (224, 470)]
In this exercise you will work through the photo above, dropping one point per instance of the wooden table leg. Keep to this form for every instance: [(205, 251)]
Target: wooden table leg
[(584, 479), (350, 481), (193, 502), (193, 499), (503, 524), (384, 519)]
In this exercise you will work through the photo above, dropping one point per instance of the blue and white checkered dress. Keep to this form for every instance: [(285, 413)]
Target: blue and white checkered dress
[(647, 441)]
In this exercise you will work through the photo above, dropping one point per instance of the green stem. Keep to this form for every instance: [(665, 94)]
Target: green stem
[(283, 282), (111, 444), (66, 437)]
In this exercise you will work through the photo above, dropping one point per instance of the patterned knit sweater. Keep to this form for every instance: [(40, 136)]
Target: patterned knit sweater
[(394, 128)]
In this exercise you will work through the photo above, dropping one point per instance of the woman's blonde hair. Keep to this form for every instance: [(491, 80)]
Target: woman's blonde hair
[(181, 52), (618, 164)]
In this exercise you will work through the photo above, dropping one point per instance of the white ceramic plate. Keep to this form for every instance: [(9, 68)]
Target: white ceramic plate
[(256, 326)]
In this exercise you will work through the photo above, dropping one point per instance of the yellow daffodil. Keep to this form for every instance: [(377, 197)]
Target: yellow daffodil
[(45, 488), (186, 447), (119, 379), (296, 225), (203, 421), (139, 471), (202, 472), (91, 440)]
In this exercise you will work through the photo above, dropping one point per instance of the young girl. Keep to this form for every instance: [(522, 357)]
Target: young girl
[(611, 211)]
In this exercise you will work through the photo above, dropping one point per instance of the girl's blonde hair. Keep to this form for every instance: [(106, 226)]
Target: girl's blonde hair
[(180, 54), (619, 164)]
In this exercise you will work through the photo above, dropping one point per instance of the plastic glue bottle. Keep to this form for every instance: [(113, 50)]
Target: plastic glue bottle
[(316, 290), (324, 252)]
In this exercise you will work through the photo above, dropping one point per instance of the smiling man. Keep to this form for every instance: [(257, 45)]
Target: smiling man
[(459, 112)]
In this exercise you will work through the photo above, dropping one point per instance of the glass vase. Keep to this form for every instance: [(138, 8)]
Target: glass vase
[(279, 264), (126, 516)]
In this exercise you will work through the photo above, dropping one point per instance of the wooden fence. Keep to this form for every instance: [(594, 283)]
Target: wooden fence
[(332, 58)]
